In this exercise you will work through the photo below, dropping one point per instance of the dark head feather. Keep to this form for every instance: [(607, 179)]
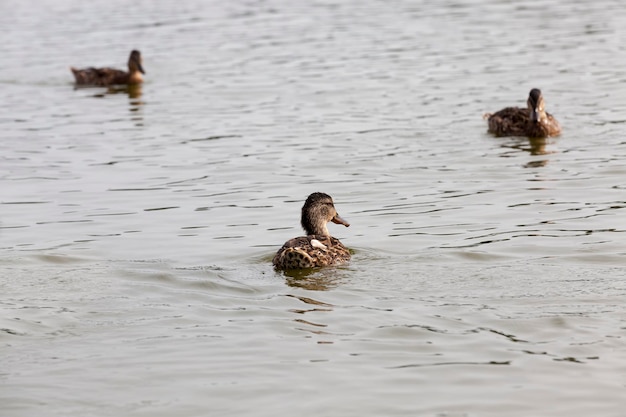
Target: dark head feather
[(134, 61), (316, 207), (535, 95)]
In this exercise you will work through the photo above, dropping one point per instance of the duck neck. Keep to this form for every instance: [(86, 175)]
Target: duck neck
[(322, 230), (317, 229), (313, 227)]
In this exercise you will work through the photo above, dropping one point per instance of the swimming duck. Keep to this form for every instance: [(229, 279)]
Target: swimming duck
[(104, 77), (318, 247), (532, 121)]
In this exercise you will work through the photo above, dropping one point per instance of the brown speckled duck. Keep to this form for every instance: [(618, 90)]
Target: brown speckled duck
[(318, 247), (532, 121), (104, 77)]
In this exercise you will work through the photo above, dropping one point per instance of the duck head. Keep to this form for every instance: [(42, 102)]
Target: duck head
[(536, 106), (317, 211), (134, 62)]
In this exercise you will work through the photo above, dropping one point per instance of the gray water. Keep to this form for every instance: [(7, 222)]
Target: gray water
[(137, 227)]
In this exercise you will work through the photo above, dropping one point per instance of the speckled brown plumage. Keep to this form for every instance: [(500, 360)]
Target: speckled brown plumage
[(104, 77), (317, 248), (532, 121), (299, 252)]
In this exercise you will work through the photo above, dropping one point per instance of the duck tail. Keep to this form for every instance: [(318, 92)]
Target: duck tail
[(294, 258)]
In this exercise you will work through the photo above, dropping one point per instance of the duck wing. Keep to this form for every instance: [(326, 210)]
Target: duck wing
[(510, 121), (100, 77), (310, 252)]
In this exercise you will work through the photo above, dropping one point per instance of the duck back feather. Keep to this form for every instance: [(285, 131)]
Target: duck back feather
[(310, 252)]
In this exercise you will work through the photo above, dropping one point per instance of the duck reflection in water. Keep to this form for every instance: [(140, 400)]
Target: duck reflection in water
[(319, 279), (532, 121), (133, 91), (534, 146), (318, 248), (134, 99)]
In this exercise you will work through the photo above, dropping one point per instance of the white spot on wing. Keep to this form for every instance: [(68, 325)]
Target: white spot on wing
[(317, 244)]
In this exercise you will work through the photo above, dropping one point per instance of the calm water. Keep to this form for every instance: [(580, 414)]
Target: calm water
[(137, 227)]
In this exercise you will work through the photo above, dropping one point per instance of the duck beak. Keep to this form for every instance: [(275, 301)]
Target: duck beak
[(338, 220), (140, 68), (534, 115)]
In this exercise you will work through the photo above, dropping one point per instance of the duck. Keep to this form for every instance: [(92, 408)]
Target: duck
[(104, 77), (318, 248), (532, 121)]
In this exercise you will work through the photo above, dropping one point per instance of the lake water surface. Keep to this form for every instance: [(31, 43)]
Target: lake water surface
[(137, 227)]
